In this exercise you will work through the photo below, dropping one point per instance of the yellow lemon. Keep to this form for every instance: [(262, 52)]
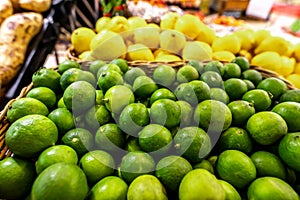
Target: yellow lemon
[(269, 60), (274, 43), (160, 51), (168, 20), (118, 24), (260, 35), (147, 35), (102, 23), (246, 37), (287, 66), (206, 34), (297, 68), (189, 24), (136, 22), (230, 43), (80, 39), (223, 56), (196, 50), (139, 52), (167, 58), (294, 79)]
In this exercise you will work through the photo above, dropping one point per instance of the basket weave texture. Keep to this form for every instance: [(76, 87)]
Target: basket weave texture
[(145, 65)]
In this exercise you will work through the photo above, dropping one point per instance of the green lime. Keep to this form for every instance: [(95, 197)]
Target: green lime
[(16, 177), (63, 119), (144, 86), (249, 83), (197, 65), (55, 154), (133, 73), (200, 89), (60, 103), (235, 138), (43, 94), (79, 96), (134, 164), (290, 95), (132, 144), (110, 187), (80, 139), (200, 184), (193, 143), (96, 165), (117, 97), (289, 150), (164, 75), (74, 74), (231, 70), (266, 127), (60, 181), (122, 63), (213, 116), (252, 75), (215, 66), (236, 168), (185, 92), (260, 99), (235, 88), (241, 111), (273, 85), (110, 137), (230, 192), (99, 97), (97, 116), (146, 187), (165, 112), (109, 67), (290, 112), (155, 138), (271, 188), (170, 170), (186, 73), (26, 106), (186, 113), (242, 62), (204, 164), (109, 78), (30, 135), (213, 79), (95, 65), (219, 95), (47, 77), (133, 118), (162, 93), (268, 164), (67, 64)]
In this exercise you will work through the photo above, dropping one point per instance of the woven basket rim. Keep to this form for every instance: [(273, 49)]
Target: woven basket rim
[(4, 123)]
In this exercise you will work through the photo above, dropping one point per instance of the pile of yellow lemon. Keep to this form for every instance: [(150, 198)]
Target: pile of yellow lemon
[(184, 37)]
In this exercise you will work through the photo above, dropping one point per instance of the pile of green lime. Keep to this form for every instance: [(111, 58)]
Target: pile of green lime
[(106, 130)]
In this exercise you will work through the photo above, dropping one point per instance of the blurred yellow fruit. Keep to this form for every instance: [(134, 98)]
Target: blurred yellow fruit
[(136, 22), (147, 35), (102, 23), (227, 43), (118, 24), (80, 39), (168, 20), (107, 45), (297, 68), (297, 52), (167, 58), (153, 25), (196, 50), (294, 79), (260, 35), (223, 56), (206, 34), (86, 56), (269, 60), (172, 41), (139, 52), (287, 66), (189, 24), (274, 43), (159, 52), (246, 37), (245, 53)]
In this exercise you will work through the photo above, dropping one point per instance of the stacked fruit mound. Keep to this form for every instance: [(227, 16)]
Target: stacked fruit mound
[(184, 37), (106, 130)]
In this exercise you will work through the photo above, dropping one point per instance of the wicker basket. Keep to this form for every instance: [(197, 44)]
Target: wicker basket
[(148, 66)]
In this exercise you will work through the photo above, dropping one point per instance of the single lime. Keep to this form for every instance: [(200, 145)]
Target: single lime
[(67, 64), (241, 111), (249, 83), (133, 73), (260, 99), (164, 75), (273, 85), (197, 65), (266, 127), (63, 119), (219, 95), (74, 74), (252, 75), (122, 63), (162, 93), (204, 164), (95, 65), (43, 94), (109, 67), (213, 79), (200, 89), (290, 95), (109, 78), (242, 62), (144, 86), (216, 66), (47, 77), (231, 70), (235, 88), (186, 73)]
